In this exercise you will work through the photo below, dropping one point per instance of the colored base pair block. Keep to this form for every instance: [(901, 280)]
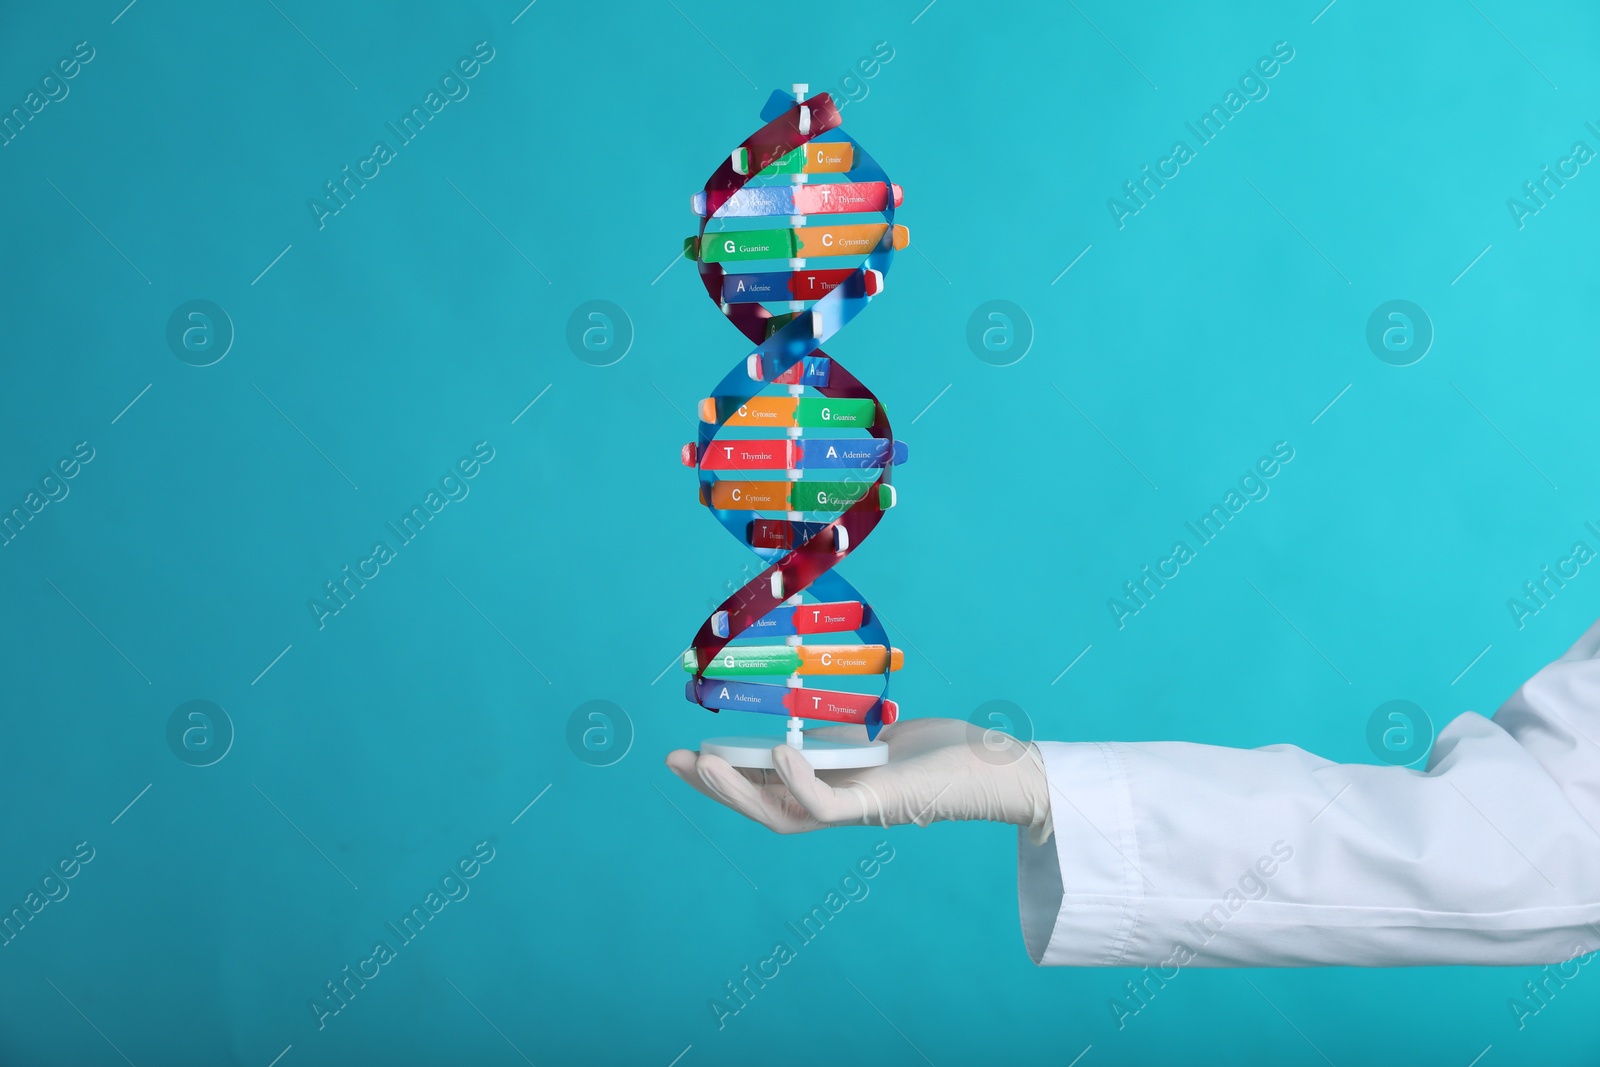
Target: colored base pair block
[(785, 411), (829, 706), (780, 286), (793, 496), (774, 324), (799, 453), (818, 157), (784, 535), (794, 619), (807, 242), (834, 198), (797, 659), (810, 370)]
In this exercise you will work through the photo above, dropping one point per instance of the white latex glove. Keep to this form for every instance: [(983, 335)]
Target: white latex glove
[(937, 769)]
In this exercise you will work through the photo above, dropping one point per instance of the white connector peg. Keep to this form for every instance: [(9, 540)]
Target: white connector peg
[(800, 90)]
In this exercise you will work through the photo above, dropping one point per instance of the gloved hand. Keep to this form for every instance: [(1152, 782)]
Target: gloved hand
[(937, 769)]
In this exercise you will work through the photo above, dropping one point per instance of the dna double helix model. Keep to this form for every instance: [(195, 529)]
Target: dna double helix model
[(801, 501)]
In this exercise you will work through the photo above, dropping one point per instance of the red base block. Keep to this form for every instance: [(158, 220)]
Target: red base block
[(786, 535), (834, 706), (837, 617), (742, 455)]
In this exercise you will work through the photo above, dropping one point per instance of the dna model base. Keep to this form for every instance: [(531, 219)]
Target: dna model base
[(755, 753)]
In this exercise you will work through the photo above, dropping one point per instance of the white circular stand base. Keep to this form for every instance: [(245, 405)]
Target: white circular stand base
[(756, 752)]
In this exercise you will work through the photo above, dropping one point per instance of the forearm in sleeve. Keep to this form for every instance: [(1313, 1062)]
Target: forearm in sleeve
[(1173, 854)]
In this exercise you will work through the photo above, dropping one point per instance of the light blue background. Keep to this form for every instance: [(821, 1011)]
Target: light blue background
[(1213, 325)]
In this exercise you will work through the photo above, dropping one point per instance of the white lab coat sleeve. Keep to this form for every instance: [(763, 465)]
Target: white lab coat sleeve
[(1172, 854)]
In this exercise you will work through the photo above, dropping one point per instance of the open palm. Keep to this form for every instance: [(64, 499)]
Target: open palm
[(937, 769)]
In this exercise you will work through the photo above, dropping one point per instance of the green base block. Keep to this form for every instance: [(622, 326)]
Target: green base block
[(747, 659), (825, 411)]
